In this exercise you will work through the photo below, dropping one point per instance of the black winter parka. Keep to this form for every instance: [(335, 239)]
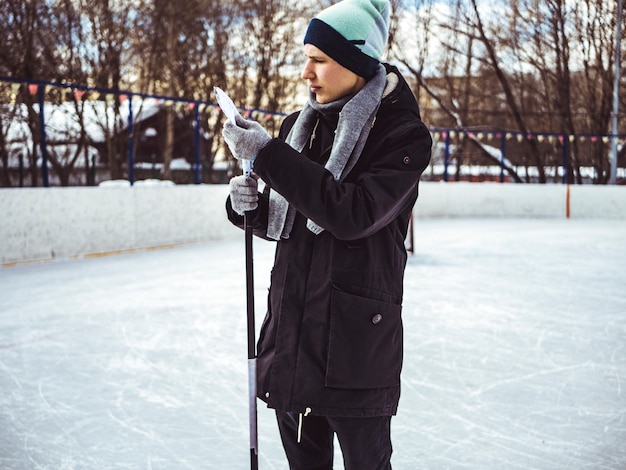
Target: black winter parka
[(331, 341)]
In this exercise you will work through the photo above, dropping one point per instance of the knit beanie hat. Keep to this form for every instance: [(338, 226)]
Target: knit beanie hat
[(352, 32)]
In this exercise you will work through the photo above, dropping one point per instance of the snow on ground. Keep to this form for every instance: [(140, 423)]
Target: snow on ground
[(515, 354)]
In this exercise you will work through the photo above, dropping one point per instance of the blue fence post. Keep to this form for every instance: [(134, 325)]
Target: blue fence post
[(564, 155), (196, 139), (21, 168), (131, 146), (502, 155), (446, 159), (42, 126)]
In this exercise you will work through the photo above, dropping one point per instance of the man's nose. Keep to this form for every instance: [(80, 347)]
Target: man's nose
[(306, 72)]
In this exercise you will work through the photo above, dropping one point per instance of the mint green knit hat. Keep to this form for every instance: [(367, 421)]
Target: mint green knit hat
[(352, 32)]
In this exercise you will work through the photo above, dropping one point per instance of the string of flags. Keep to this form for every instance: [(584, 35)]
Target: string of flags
[(551, 138), (67, 93)]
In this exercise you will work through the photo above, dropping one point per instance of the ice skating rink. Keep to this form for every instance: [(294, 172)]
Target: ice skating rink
[(515, 354)]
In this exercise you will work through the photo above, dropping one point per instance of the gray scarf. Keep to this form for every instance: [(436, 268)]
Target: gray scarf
[(356, 119)]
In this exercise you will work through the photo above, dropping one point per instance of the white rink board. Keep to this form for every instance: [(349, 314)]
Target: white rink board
[(44, 224)]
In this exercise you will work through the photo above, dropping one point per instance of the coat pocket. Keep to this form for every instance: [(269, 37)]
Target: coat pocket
[(365, 347)]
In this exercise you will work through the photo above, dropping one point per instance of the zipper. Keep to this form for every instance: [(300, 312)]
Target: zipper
[(300, 420), (313, 133)]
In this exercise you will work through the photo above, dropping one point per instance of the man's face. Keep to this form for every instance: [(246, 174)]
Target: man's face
[(327, 78)]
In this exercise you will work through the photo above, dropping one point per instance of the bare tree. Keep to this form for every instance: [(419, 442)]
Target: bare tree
[(270, 53), (593, 26), (546, 66), (184, 54), (28, 52)]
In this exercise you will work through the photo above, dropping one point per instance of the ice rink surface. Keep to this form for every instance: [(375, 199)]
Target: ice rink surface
[(515, 354)]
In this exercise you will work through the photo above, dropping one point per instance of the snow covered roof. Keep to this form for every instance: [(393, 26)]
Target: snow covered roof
[(63, 123)]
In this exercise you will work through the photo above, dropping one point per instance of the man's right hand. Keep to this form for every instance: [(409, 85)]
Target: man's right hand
[(244, 194)]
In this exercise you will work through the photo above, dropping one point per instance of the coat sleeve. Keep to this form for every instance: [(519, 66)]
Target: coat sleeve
[(378, 188)]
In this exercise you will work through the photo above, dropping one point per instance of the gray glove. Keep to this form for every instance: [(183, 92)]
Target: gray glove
[(244, 194), (245, 139)]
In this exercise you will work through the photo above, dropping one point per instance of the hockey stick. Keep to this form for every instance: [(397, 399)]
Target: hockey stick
[(254, 451)]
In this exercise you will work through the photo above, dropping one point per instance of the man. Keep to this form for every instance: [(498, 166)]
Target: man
[(341, 181)]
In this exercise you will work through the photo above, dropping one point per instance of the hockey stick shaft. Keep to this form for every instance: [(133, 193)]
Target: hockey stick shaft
[(254, 452)]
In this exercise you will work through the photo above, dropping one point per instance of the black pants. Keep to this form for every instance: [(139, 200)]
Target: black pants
[(365, 442)]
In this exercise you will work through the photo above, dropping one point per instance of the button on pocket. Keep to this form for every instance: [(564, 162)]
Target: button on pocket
[(377, 318)]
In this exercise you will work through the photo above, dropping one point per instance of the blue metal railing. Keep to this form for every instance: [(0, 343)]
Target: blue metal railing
[(444, 134)]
